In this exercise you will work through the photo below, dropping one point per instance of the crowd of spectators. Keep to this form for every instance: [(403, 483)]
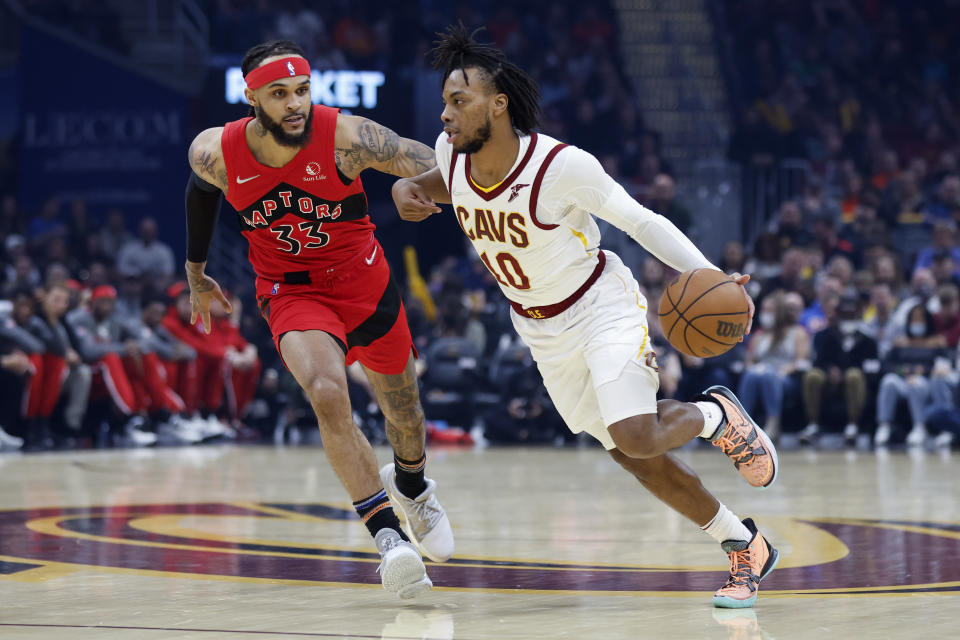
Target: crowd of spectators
[(855, 279)]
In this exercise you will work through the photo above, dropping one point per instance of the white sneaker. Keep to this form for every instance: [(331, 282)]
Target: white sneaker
[(882, 436), (809, 433), (917, 436), (943, 440), (137, 436), (401, 567), (426, 523), (850, 433), (8, 441), (187, 429)]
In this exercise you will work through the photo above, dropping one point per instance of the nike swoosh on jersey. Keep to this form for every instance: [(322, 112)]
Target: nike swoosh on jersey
[(242, 180), (372, 256)]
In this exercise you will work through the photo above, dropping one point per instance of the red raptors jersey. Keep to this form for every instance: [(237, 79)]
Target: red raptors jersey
[(301, 216)]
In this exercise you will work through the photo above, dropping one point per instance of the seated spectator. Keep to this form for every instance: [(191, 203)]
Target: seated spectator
[(167, 407), (907, 369), (764, 264), (77, 376), (814, 317), (114, 354), (843, 354), (878, 317), (944, 270), (212, 366), (942, 205), (947, 320), (243, 363), (15, 372), (943, 239), (775, 351), (146, 256), (791, 230), (114, 234), (662, 200)]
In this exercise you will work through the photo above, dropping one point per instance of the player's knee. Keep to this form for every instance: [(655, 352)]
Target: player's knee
[(636, 436), (326, 394)]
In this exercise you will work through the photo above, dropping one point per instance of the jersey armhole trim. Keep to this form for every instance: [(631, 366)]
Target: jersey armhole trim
[(538, 181), (453, 166)]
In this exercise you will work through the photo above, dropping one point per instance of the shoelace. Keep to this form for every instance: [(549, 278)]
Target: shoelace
[(389, 543), (427, 512), (737, 446), (740, 572)]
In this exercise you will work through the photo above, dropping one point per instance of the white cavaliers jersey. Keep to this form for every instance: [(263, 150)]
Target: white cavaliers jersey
[(540, 249)]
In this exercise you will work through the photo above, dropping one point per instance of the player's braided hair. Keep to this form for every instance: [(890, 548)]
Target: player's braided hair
[(457, 49), (261, 52)]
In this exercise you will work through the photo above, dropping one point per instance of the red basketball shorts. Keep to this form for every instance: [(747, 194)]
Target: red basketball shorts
[(357, 303)]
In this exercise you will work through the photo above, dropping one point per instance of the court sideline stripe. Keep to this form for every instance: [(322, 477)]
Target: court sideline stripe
[(247, 632)]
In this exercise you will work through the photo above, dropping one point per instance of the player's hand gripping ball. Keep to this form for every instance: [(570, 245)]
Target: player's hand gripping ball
[(703, 313)]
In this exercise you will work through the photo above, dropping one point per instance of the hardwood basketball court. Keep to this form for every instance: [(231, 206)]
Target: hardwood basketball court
[(237, 542)]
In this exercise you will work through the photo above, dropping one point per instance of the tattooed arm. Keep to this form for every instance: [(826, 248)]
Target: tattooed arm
[(206, 158), (209, 178), (364, 144)]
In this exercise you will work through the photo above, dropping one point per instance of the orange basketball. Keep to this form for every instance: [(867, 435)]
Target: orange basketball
[(703, 313)]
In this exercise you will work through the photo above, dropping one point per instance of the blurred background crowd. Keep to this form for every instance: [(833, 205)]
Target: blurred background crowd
[(840, 197)]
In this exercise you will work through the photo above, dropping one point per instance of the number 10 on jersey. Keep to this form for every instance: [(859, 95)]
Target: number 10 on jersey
[(510, 273)]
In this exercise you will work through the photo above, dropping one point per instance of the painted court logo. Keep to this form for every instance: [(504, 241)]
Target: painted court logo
[(828, 555)]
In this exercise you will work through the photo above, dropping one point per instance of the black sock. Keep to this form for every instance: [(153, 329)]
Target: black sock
[(410, 480), (377, 513)]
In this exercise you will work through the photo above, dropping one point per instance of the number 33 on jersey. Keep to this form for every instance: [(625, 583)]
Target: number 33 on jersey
[(303, 215)]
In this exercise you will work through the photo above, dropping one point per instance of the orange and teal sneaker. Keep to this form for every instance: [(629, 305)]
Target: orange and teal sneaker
[(750, 562), (742, 440)]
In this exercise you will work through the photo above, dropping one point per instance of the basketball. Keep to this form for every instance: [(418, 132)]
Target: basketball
[(703, 313)]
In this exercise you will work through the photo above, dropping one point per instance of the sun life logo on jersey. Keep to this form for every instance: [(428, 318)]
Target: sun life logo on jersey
[(313, 173), (290, 68)]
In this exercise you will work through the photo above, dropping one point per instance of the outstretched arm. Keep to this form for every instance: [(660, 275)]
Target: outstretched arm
[(364, 144), (416, 198), (208, 180)]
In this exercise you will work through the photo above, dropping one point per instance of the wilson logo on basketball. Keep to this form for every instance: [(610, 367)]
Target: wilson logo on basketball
[(729, 329)]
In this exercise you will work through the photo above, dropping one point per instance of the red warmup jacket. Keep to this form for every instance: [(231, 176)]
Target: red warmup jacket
[(224, 334)]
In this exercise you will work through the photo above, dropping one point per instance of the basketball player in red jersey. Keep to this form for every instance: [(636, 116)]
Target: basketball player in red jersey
[(292, 171)]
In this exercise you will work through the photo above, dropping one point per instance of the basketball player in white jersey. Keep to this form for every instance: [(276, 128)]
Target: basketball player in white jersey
[(525, 201)]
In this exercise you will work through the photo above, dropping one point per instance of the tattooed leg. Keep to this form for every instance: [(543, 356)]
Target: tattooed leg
[(399, 398)]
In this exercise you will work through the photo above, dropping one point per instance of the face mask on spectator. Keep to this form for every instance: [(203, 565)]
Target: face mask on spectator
[(848, 327), (766, 320), (917, 329), (924, 291)]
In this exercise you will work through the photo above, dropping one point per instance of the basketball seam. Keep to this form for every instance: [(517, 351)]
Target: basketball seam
[(689, 278), (697, 299), (679, 315)]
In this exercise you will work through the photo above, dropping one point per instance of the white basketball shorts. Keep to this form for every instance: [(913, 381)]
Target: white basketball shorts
[(596, 358)]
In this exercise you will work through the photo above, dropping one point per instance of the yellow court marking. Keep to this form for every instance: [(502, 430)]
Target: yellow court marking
[(38, 574), (51, 526)]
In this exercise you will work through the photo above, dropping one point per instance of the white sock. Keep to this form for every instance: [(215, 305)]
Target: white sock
[(712, 415), (726, 526)]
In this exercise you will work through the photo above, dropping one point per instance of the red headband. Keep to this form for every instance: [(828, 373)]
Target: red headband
[(283, 68)]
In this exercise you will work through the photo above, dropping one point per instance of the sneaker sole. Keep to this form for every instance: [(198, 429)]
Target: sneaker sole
[(726, 602), (386, 474), (761, 434), (406, 576)]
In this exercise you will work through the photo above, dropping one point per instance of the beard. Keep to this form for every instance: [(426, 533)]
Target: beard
[(472, 146), (284, 139)]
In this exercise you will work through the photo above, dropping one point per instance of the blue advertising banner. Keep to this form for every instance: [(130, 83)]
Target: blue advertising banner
[(95, 131)]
